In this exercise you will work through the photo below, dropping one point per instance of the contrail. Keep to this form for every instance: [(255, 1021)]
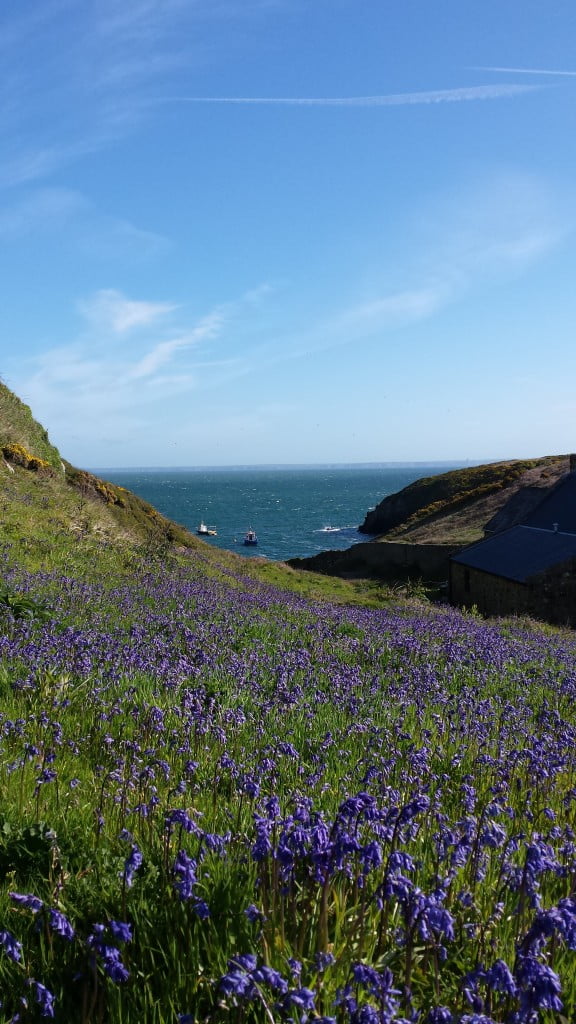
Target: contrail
[(478, 92), (526, 71)]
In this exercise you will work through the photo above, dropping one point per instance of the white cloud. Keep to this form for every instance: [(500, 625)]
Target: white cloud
[(111, 310), (496, 227), (96, 380), (526, 71), (396, 309), (431, 96), (164, 351)]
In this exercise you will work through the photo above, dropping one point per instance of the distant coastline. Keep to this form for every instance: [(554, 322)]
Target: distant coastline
[(277, 467)]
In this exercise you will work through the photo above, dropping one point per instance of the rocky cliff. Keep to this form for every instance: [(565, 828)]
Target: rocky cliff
[(457, 507)]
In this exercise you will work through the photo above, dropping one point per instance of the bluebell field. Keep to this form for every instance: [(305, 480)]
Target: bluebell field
[(221, 802)]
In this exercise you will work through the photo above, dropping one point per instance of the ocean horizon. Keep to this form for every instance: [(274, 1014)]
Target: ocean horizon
[(453, 463)]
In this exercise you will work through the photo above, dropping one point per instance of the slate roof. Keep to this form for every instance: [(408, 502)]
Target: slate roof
[(519, 553), (559, 506)]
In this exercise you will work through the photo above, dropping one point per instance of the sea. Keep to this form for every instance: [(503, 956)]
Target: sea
[(296, 511)]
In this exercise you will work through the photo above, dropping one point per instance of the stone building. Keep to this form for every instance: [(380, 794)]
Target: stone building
[(528, 569)]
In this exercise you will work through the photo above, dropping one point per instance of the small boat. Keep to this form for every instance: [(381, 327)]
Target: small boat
[(206, 531), (250, 537)]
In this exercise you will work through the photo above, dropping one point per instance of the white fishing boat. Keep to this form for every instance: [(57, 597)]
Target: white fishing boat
[(206, 531), (250, 538)]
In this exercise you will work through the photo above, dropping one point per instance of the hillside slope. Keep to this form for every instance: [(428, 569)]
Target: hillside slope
[(457, 507), (43, 496), (19, 429)]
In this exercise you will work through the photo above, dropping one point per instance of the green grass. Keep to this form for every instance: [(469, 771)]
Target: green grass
[(17, 426)]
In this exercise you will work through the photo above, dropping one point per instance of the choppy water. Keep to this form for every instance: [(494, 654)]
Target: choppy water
[(295, 512)]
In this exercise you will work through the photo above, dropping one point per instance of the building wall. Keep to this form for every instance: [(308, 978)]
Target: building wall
[(554, 594), (549, 596), (491, 595)]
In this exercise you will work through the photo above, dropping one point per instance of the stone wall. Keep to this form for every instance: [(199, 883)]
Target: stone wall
[(382, 559)]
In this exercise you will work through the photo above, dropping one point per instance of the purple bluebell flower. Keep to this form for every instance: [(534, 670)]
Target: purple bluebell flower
[(539, 986), (121, 930), (201, 909), (179, 817), (295, 967), (378, 984), (185, 871), (108, 956), (246, 961), (11, 946), (43, 996), (27, 901), (113, 966), (499, 978), (253, 914), (60, 924), (477, 1018), (131, 865), (298, 998), (323, 960), (270, 977), (238, 982)]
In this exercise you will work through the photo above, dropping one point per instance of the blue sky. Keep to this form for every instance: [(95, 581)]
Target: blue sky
[(267, 231)]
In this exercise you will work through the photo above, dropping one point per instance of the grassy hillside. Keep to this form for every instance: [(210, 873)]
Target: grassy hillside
[(223, 802), (19, 430)]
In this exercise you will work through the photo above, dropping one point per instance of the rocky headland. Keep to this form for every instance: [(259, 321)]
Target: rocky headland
[(414, 532)]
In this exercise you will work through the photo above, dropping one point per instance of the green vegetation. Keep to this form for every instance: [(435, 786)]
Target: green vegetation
[(18, 427), (233, 793)]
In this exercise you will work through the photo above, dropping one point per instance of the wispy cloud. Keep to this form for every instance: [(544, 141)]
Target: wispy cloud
[(76, 77), (488, 231), (111, 310), (136, 357), (79, 225), (525, 71), (491, 229), (131, 354), (162, 353), (43, 208), (431, 96)]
